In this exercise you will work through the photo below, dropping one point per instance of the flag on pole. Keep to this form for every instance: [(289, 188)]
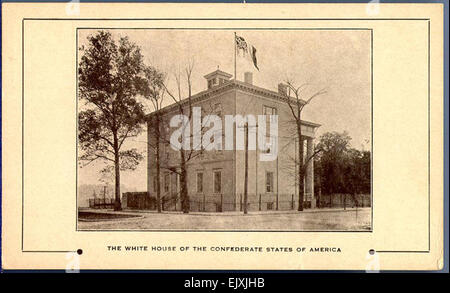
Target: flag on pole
[(255, 61), (248, 51)]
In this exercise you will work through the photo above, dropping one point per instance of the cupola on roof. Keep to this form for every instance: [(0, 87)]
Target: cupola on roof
[(216, 78)]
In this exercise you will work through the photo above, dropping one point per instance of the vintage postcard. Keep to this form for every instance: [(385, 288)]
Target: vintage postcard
[(235, 136)]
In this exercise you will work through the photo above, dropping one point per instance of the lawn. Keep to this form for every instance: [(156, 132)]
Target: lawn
[(329, 220)]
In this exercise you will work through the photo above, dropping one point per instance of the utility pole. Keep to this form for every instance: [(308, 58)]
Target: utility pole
[(235, 53), (246, 168)]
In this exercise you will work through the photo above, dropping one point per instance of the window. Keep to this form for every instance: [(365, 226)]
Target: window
[(217, 181), (269, 111), (212, 82), (165, 151), (269, 181), (166, 131), (218, 112), (166, 182), (218, 109), (174, 182), (199, 182), (217, 143)]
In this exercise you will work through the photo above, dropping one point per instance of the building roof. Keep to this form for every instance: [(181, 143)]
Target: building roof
[(218, 72)]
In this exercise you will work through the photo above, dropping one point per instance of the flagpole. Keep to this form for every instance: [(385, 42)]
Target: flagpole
[(234, 41)]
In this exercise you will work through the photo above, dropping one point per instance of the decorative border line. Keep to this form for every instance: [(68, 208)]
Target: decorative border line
[(237, 19), (231, 85)]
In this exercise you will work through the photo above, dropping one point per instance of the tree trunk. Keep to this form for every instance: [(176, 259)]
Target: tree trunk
[(158, 168), (158, 185), (183, 184), (301, 191), (320, 190), (117, 204), (246, 170)]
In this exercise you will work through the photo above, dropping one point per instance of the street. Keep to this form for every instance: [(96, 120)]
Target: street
[(308, 220)]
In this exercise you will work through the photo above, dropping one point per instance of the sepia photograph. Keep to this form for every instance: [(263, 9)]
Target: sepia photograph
[(224, 130)]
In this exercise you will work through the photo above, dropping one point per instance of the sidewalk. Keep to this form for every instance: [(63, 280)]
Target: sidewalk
[(309, 220), (230, 213)]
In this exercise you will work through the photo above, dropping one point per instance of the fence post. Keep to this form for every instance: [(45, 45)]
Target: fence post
[(292, 201), (260, 201), (277, 201), (221, 202), (240, 202)]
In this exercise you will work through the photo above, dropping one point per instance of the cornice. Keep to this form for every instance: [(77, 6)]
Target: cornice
[(232, 84)]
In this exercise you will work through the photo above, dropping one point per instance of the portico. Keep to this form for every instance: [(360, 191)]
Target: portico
[(308, 140)]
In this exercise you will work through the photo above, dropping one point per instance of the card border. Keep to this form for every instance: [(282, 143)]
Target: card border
[(233, 19)]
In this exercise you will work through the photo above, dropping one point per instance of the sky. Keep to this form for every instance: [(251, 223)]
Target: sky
[(335, 60)]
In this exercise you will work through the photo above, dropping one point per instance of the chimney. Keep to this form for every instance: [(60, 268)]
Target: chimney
[(248, 77), (282, 89)]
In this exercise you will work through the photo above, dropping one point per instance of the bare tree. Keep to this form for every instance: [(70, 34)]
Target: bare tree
[(182, 172), (296, 105), (184, 107), (155, 94)]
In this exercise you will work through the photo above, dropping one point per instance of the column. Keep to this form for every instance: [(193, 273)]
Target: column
[(309, 178)]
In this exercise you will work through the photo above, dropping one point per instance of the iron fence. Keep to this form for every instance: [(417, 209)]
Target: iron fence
[(101, 203), (344, 200), (235, 202)]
